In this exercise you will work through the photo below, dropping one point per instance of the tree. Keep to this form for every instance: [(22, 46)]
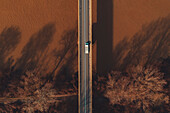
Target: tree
[(33, 97), (140, 87)]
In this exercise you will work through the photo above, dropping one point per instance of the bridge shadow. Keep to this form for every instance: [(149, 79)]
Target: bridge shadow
[(103, 35)]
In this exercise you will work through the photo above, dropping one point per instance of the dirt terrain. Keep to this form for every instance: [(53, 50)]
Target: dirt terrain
[(30, 16)]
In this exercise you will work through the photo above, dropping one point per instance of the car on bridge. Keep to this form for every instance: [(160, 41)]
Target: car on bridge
[(87, 47)]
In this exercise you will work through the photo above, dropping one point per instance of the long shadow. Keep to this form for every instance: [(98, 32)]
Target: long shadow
[(147, 47), (30, 56), (9, 39), (35, 48), (66, 77), (67, 105), (64, 74), (67, 61), (103, 35)]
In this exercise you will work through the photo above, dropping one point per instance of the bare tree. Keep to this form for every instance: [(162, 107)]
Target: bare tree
[(28, 91), (141, 87)]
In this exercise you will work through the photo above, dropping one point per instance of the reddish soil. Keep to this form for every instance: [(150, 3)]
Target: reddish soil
[(31, 16)]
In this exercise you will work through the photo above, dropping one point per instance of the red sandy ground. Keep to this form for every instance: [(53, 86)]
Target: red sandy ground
[(30, 16)]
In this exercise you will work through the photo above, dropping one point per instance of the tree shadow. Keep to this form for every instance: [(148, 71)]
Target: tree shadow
[(147, 47), (66, 68), (35, 48), (31, 56), (64, 58), (9, 39), (64, 76), (68, 105)]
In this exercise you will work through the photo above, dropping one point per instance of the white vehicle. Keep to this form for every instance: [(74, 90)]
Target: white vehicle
[(87, 47)]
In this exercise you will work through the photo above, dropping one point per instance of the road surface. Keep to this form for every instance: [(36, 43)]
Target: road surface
[(85, 60)]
